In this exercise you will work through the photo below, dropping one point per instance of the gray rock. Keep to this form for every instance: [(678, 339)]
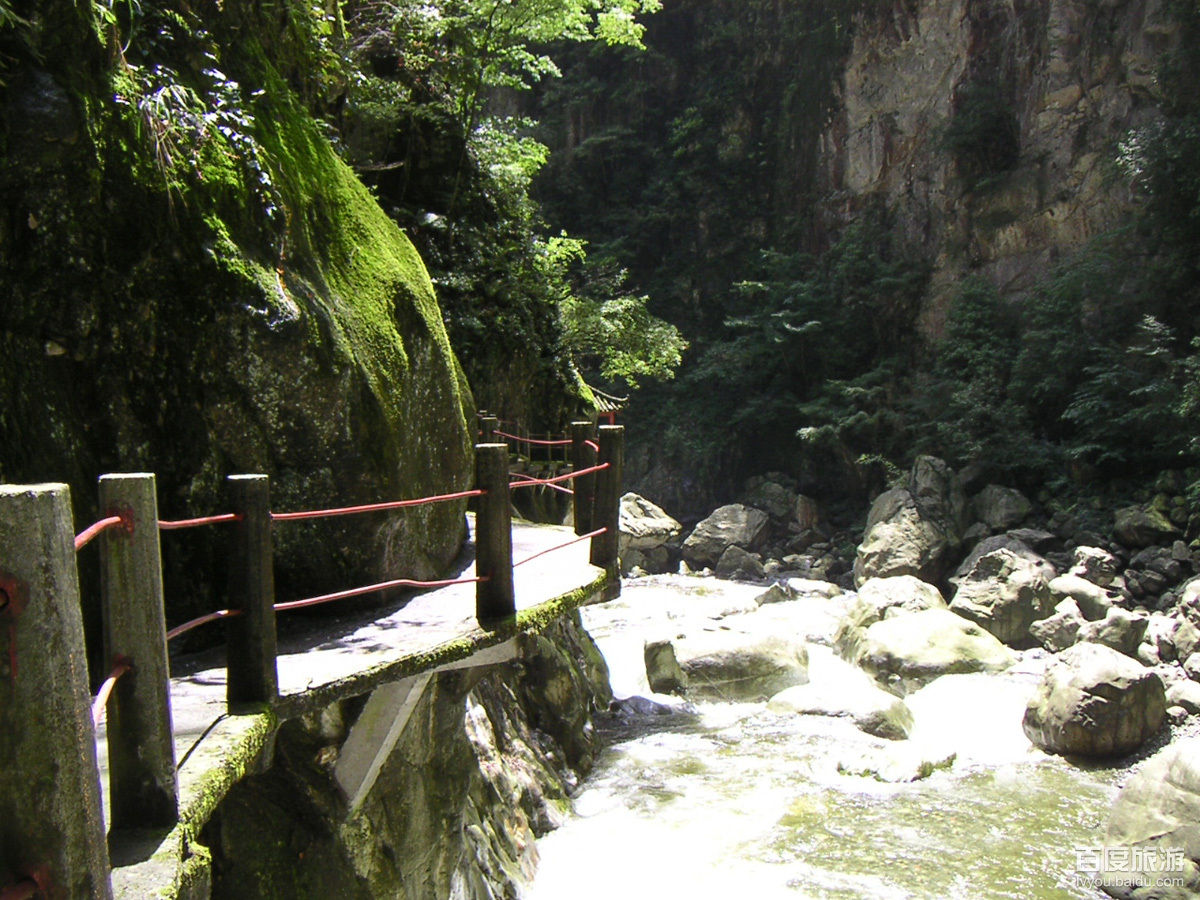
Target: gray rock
[(1094, 601), (1095, 564), (802, 587), (1002, 542), (939, 495), (895, 764), (1096, 702), (644, 526), (734, 525), (1037, 539), (806, 513), (1061, 630), (1001, 507), (663, 672), (914, 649), (1143, 526), (1185, 694), (900, 540), (1120, 629), (854, 695), (1185, 638), (1005, 594), (1156, 813), (739, 564), (1191, 665), (774, 499), (732, 665), (776, 593), (1160, 634), (898, 593)]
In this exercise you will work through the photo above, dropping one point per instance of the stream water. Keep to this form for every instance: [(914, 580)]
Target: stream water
[(734, 800)]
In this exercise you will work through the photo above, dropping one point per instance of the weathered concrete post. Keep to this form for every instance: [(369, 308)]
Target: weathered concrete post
[(51, 827), (494, 597), (606, 511), (253, 677), (143, 791), (487, 428), (583, 456)]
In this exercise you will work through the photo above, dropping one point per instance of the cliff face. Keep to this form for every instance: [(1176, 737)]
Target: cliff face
[(989, 128), (196, 285)]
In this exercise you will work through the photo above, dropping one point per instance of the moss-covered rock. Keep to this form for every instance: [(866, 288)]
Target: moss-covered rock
[(196, 285)]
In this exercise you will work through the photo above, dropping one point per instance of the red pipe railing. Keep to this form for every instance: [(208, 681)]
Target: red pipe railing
[(100, 703), (371, 507), (89, 534)]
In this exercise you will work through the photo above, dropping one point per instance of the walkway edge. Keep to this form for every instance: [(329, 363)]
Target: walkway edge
[(180, 868)]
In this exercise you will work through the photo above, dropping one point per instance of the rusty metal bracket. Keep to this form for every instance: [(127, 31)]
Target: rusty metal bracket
[(13, 596)]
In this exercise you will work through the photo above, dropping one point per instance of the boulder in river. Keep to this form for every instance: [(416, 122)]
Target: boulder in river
[(1061, 630), (1120, 629), (839, 689), (732, 525), (1153, 832), (1143, 526), (1094, 600), (1094, 701), (1005, 594), (731, 665), (1001, 507), (917, 648)]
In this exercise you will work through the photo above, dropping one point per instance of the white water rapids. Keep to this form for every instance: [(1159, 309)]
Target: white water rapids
[(742, 802)]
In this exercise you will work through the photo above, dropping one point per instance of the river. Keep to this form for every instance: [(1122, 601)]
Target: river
[(735, 800)]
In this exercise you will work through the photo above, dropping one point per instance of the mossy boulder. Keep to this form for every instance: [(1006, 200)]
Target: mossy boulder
[(196, 285)]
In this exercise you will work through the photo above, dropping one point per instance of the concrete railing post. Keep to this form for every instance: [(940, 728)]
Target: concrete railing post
[(51, 826), (487, 428), (494, 597), (253, 677), (583, 456), (606, 511), (143, 791)]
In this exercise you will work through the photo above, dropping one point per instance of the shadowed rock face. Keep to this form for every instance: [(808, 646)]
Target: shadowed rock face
[(218, 314)]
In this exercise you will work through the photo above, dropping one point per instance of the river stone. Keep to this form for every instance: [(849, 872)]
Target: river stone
[(1120, 629), (1094, 601), (806, 513), (1096, 702), (663, 672), (1009, 542), (915, 649), (1157, 813), (776, 593), (939, 495), (1185, 693), (1000, 507), (839, 689), (773, 498), (732, 525), (812, 587), (1185, 638), (899, 540), (732, 665), (1061, 630), (644, 526), (1191, 665), (1143, 526), (1095, 564), (1005, 594), (895, 764), (736, 563), (898, 594)]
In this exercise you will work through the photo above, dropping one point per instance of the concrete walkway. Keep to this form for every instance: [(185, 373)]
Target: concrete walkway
[(325, 656)]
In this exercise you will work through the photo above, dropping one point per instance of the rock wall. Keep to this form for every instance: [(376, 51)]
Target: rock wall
[(1073, 77), (482, 768), (196, 285)]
